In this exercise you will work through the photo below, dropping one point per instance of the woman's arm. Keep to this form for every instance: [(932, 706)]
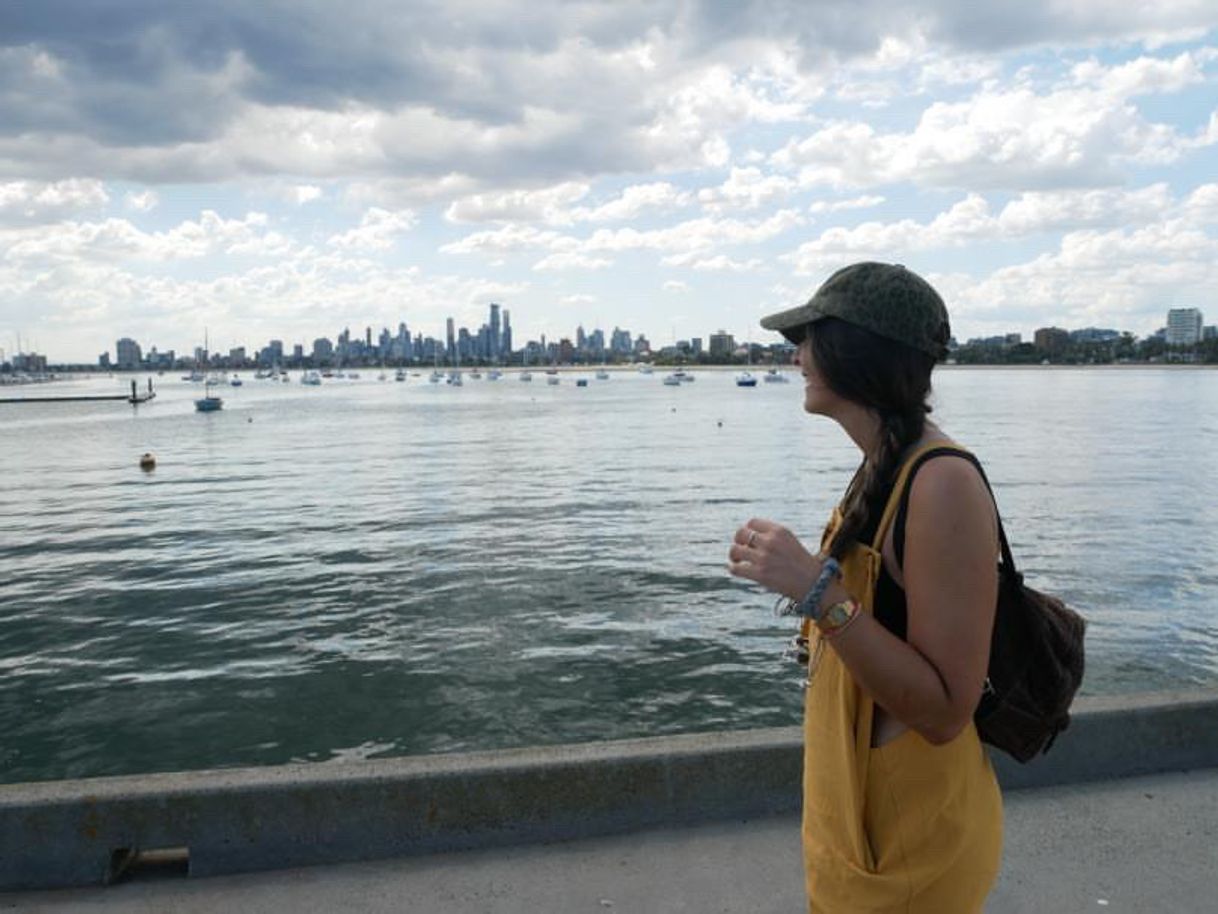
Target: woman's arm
[(932, 682)]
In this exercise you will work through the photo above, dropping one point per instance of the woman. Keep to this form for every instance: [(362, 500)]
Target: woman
[(901, 808)]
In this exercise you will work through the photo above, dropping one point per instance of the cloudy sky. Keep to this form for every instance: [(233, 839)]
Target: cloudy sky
[(285, 169)]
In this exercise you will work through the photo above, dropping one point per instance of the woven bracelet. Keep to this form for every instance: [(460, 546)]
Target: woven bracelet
[(809, 606)]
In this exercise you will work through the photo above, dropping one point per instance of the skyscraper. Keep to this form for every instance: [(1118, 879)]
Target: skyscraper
[(452, 338), (495, 338)]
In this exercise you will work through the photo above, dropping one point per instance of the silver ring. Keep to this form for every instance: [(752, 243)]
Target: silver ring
[(752, 536)]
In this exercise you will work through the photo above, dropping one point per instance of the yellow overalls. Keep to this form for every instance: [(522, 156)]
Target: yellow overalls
[(906, 827)]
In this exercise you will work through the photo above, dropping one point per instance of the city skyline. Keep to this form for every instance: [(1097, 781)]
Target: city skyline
[(674, 167), (493, 342)]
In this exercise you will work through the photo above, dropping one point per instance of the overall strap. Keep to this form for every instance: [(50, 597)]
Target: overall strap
[(890, 509), (905, 484)]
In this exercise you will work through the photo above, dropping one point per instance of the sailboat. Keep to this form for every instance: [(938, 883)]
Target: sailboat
[(525, 375), (745, 378), (209, 402)]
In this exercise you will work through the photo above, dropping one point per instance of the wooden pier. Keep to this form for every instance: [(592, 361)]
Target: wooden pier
[(135, 398)]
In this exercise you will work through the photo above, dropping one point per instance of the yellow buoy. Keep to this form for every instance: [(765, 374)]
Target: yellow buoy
[(148, 462)]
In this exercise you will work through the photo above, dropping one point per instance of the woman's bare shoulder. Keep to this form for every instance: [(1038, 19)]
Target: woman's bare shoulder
[(949, 485)]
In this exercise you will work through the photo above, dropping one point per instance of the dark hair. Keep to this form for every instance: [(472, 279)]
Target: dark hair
[(889, 377)]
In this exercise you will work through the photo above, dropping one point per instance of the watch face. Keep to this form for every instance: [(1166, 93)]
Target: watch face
[(839, 614)]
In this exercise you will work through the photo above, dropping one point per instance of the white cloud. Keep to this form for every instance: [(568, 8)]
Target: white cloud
[(867, 201), (972, 220), (402, 192), (141, 202), (1146, 75), (571, 260), (1009, 137), (555, 205), (695, 234), (746, 189), (1037, 211), (507, 240), (659, 197), (675, 285), (1123, 278), (41, 201), (1201, 205), (104, 301), (578, 299), (117, 240), (305, 193), (692, 237), (718, 263), (378, 230), (549, 204)]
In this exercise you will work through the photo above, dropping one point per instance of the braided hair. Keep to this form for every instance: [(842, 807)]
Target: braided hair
[(889, 377)]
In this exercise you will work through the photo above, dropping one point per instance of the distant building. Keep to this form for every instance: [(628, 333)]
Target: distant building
[(127, 353), (1051, 339), (990, 342), (103, 360), (30, 362), (721, 344), (1209, 333), (496, 334), (1183, 327), (619, 341), (159, 360), (1094, 335), (323, 351)]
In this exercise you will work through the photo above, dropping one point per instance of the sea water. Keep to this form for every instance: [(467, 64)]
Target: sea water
[(368, 569)]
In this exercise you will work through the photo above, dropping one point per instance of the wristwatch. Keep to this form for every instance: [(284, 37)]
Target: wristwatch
[(837, 616)]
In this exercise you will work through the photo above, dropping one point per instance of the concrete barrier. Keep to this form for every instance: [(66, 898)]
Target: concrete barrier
[(227, 821)]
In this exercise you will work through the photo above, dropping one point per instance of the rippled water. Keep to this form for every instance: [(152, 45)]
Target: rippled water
[(368, 569)]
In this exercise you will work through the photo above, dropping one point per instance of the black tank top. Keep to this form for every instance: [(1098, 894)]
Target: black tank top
[(888, 601)]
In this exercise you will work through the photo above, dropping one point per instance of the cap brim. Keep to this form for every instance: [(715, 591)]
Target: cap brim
[(792, 323)]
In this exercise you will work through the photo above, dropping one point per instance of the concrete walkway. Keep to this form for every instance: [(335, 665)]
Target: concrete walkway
[(1136, 845)]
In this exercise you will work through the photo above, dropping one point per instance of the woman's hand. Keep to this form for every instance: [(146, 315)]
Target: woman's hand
[(770, 554)]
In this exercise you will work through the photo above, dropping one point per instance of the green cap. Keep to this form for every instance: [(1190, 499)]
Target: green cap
[(884, 298)]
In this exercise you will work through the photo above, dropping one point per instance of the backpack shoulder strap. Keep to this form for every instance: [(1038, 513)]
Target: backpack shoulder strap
[(902, 510), (898, 487)]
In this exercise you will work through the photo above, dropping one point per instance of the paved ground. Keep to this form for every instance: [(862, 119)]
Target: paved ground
[(1136, 845)]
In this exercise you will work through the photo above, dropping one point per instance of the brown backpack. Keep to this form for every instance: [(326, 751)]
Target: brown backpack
[(1036, 651)]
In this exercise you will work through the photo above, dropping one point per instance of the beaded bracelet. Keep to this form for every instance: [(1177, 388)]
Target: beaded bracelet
[(810, 605)]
